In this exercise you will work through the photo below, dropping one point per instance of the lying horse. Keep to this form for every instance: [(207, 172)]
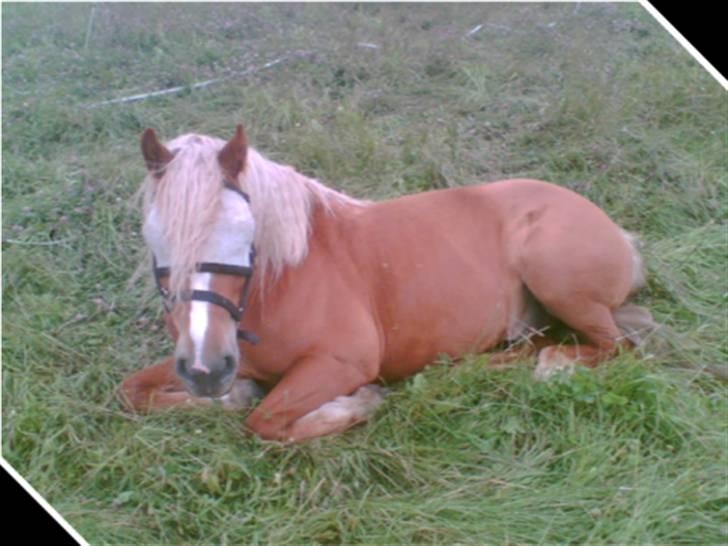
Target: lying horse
[(343, 293)]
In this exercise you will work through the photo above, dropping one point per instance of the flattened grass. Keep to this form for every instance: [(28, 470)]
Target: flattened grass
[(595, 97)]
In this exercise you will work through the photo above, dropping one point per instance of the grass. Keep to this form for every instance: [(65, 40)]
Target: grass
[(596, 97)]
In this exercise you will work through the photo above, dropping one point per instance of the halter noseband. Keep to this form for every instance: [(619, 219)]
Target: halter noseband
[(235, 311)]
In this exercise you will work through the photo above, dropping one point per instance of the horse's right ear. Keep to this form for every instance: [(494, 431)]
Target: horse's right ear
[(156, 155), (233, 154)]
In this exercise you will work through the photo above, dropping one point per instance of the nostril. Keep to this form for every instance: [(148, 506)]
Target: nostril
[(182, 367), (229, 365)]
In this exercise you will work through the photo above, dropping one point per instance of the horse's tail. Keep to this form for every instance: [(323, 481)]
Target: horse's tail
[(635, 321), (639, 276)]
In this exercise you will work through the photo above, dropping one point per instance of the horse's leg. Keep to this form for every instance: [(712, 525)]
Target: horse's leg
[(154, 387), (307, 386), (519, 351), (596, 322), (339, 414), (158, 387), (580, 267)]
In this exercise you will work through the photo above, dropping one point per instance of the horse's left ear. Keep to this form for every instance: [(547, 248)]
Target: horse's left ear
[(156, 155), (232, 156)]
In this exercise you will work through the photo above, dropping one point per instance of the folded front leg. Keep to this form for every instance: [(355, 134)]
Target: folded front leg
[(338, 415), (155, 387), (308, 386), (158, 387)]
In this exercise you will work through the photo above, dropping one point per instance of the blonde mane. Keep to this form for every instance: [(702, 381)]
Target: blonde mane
[(282, 200), (187, 200)]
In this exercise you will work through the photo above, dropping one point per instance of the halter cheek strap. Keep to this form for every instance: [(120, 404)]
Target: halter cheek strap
[(232, 187)]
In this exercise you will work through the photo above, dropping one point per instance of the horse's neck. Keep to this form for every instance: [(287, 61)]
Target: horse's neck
[(327, 238)]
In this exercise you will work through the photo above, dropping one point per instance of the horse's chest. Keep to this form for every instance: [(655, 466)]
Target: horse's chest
[(280, 346), (264, 364)]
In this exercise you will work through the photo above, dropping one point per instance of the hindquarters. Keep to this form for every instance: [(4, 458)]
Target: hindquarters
[(580, 267)]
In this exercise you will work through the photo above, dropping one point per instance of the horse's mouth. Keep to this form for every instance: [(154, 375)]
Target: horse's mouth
[(214, 393)]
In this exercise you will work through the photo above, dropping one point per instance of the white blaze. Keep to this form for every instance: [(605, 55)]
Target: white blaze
[(199, 320)]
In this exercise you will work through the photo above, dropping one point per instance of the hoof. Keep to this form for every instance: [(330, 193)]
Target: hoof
[(551, 361), (242, 395)]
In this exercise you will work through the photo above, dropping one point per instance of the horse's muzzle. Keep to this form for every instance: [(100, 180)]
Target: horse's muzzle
[(213, 380)]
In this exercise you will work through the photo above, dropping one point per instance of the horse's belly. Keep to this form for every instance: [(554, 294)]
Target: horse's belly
[(468, 315)]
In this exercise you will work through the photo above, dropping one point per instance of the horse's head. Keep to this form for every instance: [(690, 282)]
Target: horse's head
[(200, 230)]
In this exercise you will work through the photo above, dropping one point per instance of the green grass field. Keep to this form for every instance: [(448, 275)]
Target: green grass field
[(376, 100)]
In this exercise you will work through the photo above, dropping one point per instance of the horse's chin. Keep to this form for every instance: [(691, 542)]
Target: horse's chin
[(215, 394)]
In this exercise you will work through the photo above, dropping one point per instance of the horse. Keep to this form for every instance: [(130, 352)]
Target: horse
[(337, 296)]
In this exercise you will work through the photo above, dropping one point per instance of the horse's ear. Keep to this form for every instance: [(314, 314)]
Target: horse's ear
[(232, 156), (156, 155)]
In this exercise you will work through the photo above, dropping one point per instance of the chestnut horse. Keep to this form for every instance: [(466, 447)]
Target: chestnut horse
[(345, 293)]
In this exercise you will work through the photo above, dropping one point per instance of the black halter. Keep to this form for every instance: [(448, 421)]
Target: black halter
[(236, 311)]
